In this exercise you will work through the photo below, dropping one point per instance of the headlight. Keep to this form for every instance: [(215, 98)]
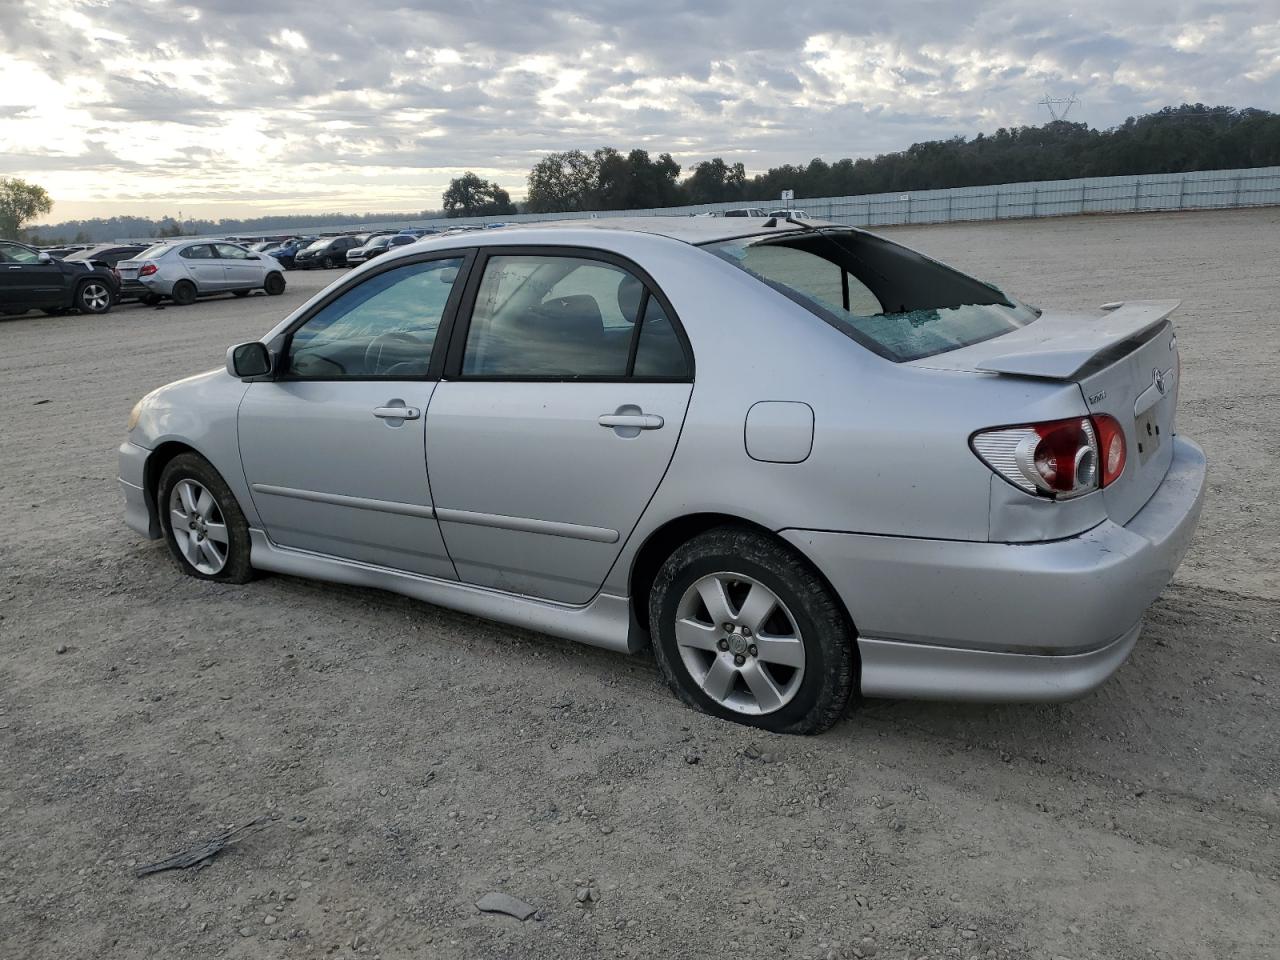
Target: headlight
[(134, 414)]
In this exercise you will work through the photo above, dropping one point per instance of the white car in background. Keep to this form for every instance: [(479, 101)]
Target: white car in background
[(186, 269)]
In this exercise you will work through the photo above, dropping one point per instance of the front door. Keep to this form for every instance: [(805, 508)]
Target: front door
[(27, 282), (205, 267), (240, 268), (556, 422), (333, 449)]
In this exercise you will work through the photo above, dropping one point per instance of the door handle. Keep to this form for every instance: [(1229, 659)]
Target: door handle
[(638, 421), (397, 413)]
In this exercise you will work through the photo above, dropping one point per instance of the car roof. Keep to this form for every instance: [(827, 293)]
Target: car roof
[(695, 230)]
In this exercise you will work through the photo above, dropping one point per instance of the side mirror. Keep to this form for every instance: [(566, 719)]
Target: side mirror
[(248, 360), (43, 257)]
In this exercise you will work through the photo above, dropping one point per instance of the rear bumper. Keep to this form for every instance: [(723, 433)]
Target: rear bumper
[(994, 621)]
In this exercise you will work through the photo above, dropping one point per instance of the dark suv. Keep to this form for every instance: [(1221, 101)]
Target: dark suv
[(327, 252), (31, 280)]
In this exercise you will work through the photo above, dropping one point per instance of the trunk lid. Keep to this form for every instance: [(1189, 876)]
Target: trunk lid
[(128, 269), (1125, 363)]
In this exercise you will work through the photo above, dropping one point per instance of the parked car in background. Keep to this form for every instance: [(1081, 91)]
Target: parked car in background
[(789, 214), (266, 246), (31, 279), (378, 246), (108, 254), (326, 253), (287, 251), (64, 251), (745, 212), (184, 270), (935, 491)]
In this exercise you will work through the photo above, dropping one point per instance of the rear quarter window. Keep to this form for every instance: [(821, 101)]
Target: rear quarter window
[(892, 300)]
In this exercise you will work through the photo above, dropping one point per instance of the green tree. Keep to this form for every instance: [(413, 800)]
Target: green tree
[(19, 202), (561, 182), (470, 196), (714, 181)]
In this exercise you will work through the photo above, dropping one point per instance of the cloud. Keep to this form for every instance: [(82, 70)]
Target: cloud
[(290, 101)]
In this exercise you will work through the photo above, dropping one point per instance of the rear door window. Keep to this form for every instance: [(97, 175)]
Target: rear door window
[(566, 318)]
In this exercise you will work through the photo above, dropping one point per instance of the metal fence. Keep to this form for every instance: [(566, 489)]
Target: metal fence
[(1197, 190)]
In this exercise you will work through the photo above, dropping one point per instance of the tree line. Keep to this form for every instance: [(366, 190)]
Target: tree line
[(1172, 140)]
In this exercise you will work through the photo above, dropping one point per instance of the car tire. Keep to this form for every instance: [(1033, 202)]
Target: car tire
[(213, 541), (93, 296), (799, 680), (184, 293), (240, 293), (328, 263), (274, 284)]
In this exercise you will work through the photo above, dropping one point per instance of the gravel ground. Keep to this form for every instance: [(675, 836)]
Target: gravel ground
[(417, 759)]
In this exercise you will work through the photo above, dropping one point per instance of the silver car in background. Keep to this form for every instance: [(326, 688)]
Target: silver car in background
[(799, 460), (184, 270)]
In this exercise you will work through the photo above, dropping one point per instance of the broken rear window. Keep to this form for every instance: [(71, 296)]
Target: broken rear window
[(892, 300)]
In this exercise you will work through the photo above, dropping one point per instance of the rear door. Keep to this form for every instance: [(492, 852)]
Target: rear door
[(562, 404), (205, 267)]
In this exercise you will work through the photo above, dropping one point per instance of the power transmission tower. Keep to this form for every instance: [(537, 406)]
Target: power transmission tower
[(1058, 107)]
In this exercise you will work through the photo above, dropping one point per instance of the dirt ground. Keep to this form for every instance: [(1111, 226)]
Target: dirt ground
[(417, 759)]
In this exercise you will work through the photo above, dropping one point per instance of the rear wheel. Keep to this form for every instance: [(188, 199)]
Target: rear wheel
[(203, 525), (93, 296), (274, 284), (744, 629), (184, 293)]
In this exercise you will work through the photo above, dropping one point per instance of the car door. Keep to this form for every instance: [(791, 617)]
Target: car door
[(556, 420), (26, 282), (333, 447), (205, 267), (241, 269)]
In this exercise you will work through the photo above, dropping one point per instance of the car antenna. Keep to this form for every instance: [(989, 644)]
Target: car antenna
[(771, 222), (800, 224)]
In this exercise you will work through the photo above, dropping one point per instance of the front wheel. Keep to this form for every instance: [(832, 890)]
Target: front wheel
[(204, 528), (328, 263), (744, 629), (93, 296), (274, 284)]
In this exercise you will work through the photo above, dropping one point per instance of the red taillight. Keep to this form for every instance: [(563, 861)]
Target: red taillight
[(1111, 446), (147, 269), (1058, 458)]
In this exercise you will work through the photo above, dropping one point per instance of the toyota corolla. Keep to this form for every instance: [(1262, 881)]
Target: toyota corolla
[(799, 461)]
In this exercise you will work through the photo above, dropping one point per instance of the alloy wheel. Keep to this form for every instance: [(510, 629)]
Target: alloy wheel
[(739, 643), (199, 529), (95, 297)]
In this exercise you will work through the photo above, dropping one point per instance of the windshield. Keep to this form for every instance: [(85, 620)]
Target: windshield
[(317, 244), (892, 300)]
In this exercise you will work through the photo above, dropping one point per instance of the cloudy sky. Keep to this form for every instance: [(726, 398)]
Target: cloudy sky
[(230, 107)]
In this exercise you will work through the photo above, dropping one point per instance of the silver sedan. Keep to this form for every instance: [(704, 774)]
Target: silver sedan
[(798, 460), (184, 270)]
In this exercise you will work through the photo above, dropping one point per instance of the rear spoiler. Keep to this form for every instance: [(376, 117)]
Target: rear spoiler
[(1059, 347)]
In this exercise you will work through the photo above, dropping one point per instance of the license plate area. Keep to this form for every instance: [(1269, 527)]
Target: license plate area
[(1147, 430)]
